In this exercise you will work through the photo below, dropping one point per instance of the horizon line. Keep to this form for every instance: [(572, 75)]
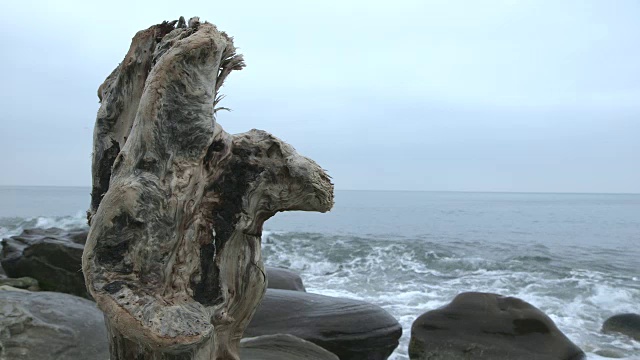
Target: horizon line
[(393, 190)]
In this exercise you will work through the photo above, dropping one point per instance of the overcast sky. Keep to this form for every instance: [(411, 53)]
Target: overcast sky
[(396, 95)]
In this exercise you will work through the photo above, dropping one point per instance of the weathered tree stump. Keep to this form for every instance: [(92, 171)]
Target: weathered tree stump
[(173, 255)]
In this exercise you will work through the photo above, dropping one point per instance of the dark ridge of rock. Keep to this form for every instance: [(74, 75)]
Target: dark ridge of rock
[(278, 278), (486, 326), (627, 324), (351, 329), (50, 326), (282, 347), (51, 256)]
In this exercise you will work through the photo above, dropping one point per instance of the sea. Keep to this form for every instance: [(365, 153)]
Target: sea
[(574, 256)]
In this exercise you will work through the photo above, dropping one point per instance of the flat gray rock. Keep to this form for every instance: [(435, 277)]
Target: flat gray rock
[(282, 347), (485, 326), (351, 329), (50, 326)]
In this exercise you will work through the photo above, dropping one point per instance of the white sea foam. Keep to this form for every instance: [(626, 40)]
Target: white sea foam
[(14, 226), (407, 280), (78, 220)]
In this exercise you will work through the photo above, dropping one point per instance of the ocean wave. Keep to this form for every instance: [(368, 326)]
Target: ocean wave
[(10, 226), (408, 277)]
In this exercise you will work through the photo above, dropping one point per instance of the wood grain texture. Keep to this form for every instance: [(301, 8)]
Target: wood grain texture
[(173, 253)]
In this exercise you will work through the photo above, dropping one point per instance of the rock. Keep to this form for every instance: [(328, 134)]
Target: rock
[(351, 329), (489, 326), (627, 324), (21, 283), (11, 288), (48, 326), (51, 256), (282, 347), (609, 353), (278, 278)]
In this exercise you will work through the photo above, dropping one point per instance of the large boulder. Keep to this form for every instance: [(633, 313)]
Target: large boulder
[(48, 326), (351, 329), (278, 278), (487, 326), (282, 347), (51, 256), (627, 324)]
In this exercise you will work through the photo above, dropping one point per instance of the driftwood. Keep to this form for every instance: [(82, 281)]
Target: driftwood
[(173, 255)]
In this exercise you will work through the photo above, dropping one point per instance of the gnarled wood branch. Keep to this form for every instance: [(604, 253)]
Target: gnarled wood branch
[(173, 255)]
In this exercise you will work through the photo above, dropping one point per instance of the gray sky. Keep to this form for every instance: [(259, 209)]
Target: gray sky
[(396, 95)]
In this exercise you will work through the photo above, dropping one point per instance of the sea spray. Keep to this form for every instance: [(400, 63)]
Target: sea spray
[(407, 277)]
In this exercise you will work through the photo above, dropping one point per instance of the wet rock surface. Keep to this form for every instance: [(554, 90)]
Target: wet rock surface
[(279, 278), (488, 326), (627, 324), (48, 326), (282, 347), (351, 329), (51, 256)]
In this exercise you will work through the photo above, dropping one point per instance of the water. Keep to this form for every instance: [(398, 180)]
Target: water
[(575, 256)]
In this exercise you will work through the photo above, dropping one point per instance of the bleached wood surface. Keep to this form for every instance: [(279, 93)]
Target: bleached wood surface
[(173, 255)]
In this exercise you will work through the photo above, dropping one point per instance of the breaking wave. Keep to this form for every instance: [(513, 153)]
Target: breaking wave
[(408, 277)]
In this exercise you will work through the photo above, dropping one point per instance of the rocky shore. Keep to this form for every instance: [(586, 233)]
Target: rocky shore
[(46, 313)]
